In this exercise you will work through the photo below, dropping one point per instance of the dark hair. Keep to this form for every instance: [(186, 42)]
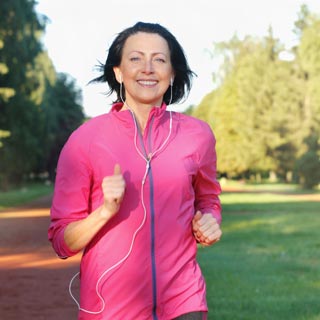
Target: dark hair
[(183, 75)]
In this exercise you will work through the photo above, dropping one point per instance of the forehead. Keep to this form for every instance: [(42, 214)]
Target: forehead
[(146, 42)]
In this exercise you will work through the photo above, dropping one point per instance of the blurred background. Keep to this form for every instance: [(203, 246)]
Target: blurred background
[(258, 86), (258, 80)]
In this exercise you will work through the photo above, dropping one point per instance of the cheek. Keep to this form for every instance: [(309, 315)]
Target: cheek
[(128, 73), (165, 75), (129, 69)]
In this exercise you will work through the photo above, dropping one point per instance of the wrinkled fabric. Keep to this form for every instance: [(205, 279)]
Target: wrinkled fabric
[(160, 278)]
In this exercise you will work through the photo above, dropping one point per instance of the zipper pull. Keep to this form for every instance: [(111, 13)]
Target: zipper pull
[(148, 160)]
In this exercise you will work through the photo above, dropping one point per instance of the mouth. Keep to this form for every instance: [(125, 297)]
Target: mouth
[(147, 83)]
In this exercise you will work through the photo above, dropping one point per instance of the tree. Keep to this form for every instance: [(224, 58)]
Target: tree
[(38, 108), (308, 59), (308, 165), (263, 107), (20, 30), (242, 105), (63, 113), (5, 95)]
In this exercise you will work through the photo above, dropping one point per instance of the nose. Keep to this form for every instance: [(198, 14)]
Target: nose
[(148, 66)]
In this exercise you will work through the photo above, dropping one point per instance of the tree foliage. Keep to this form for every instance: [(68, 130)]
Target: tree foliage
[(264, 107), (29, 94)]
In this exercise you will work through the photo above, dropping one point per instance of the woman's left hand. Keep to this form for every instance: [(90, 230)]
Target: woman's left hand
[(206, 229)]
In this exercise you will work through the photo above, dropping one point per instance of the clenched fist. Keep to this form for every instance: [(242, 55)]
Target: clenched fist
[(206, 229), (113, 188)]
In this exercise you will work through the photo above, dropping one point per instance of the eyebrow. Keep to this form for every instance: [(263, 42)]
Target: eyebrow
[(153, 53)]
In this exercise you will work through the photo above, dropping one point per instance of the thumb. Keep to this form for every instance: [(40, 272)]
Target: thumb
[(117, 170), (197, 216)]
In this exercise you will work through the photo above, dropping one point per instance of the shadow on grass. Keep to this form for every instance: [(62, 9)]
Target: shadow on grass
[(267, 264), (272, 207)]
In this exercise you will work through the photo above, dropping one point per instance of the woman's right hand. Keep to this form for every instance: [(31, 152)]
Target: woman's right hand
[(79, 233), (113, 188)]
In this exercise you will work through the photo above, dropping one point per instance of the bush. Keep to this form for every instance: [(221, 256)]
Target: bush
[(308, 169)]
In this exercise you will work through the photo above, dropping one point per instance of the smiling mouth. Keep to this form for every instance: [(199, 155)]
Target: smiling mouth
[(147, 83)]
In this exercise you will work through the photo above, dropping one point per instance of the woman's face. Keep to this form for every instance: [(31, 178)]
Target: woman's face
[(145, 69)]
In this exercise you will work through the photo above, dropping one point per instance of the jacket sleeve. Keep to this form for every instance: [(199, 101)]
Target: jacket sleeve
[(206, 186), (71, 193)]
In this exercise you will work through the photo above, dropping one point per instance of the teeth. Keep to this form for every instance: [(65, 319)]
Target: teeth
[(147, 83)]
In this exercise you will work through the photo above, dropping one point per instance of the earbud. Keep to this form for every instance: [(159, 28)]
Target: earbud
[(120, 75), (171, 82)]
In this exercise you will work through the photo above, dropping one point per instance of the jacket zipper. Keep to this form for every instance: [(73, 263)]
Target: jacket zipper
[(153, 258), (152, 216)]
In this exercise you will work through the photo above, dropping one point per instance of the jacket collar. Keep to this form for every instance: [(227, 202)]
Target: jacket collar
[(125, 116)]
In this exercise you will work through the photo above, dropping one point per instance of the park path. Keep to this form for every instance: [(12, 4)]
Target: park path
[(33, 281)]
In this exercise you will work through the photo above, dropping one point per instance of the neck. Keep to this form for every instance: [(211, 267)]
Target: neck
[(141, 113)]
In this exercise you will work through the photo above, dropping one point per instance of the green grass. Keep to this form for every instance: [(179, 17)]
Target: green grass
[(268, 186), (24, 195), (267, 264)]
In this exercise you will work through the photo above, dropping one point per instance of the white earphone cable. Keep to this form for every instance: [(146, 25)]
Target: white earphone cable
[(148, 160)]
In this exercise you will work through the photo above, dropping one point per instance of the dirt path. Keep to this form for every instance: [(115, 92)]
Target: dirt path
[(33, 281)]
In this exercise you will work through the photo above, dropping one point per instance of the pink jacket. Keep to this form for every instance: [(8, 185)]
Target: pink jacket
[(160, 279)]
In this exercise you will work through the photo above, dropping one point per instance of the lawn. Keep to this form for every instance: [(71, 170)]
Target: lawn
[(24, 195), (267, 264)]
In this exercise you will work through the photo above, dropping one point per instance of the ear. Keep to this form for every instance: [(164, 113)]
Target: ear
[(117, 74)]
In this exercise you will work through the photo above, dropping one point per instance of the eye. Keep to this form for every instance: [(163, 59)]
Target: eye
[(134, 59), (161, 60)]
